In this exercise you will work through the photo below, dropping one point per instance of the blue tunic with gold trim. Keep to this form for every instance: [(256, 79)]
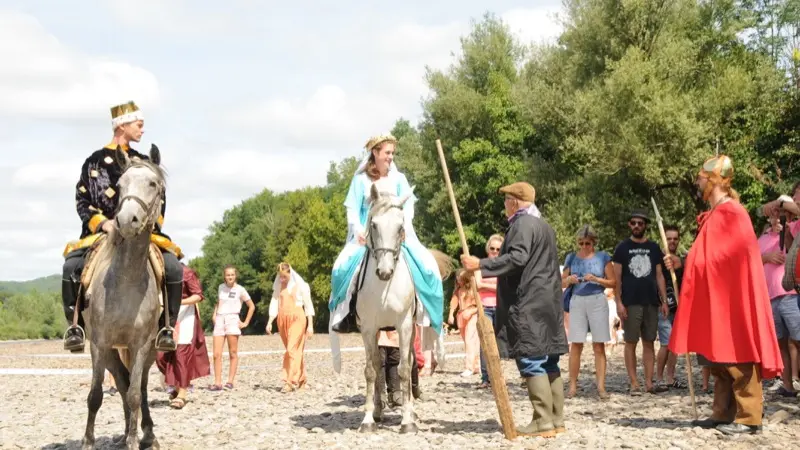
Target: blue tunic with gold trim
[(96, 198)]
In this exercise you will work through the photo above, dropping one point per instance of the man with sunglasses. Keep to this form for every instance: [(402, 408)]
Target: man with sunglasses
[(640, 292)]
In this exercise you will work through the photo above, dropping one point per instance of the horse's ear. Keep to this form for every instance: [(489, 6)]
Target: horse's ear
[(155, 155), (373, 193)]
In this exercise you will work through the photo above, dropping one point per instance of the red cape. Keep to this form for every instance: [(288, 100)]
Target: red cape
[(724, 311)]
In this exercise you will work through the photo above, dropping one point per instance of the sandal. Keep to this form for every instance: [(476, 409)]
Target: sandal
[(215, 387), (679, 385), (287, 388), (658, 388), (228, 386), (177, 403), (603, 395), (635, 392)]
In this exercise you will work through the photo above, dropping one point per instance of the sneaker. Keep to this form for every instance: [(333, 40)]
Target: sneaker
[(776, 384), (466, 373)]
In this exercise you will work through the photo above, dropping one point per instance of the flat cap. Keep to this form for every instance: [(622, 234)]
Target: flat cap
[(520, 190)]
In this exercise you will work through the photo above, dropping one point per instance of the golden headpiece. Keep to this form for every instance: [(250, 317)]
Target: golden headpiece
[(719, 171), (377, 140), (125, 113)]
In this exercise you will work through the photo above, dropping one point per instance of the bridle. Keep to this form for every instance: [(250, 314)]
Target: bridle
[(377, 252), (150, 209)]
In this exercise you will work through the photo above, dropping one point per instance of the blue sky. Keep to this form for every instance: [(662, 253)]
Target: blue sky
[(239, 96)]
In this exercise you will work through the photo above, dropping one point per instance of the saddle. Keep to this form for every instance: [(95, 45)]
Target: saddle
[(98, 247)]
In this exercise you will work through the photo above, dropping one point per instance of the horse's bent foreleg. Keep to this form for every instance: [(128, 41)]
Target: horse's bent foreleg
[(371, 368), (95, 398), (406, 338)]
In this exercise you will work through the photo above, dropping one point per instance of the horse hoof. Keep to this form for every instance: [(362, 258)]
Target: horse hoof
[(408, 428), (149, 445), (86, 445), (377, 419), (368, 428)]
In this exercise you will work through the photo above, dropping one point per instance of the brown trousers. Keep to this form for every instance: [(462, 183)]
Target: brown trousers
[(737, 393)]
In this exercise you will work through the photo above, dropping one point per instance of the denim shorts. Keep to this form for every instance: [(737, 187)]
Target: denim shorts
[(786, 314), (538, 365), (665, 328)]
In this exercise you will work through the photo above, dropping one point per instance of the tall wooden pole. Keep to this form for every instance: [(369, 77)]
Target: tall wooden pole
[(660, 222), (485, 327)]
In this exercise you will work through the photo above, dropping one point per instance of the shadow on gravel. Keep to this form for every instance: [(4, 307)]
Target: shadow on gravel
[(668, 424), (331, 422), (352, 401), (487, 426), (101, 443)]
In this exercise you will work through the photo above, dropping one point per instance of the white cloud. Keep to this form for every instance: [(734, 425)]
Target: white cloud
[(168, 16), (42, 78), (62, 175), (392, 65), (534, 25)]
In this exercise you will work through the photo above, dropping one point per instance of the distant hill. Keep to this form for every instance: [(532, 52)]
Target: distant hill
[(51, 283)]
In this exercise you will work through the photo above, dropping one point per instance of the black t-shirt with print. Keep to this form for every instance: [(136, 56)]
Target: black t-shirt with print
[(639, 262), (671, 300)]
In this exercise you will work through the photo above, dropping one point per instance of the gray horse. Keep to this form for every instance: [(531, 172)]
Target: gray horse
[(124, 306)]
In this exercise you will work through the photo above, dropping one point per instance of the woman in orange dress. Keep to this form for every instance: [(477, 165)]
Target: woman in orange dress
[(464, 301), (291, 304)]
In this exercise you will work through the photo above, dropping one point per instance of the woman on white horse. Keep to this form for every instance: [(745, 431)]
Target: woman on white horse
[(378, 167)]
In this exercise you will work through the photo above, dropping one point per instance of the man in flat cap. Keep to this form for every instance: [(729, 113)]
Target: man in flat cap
[(530, 321)]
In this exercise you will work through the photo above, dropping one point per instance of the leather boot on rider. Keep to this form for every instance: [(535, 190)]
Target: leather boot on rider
[(174, 274)]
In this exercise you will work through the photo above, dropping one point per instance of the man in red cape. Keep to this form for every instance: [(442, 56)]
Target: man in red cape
[(724, 314)]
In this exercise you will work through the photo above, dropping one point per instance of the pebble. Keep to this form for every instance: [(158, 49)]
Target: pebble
[(327, 414)]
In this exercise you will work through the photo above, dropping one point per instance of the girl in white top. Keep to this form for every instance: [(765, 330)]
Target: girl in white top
[(228, 326)]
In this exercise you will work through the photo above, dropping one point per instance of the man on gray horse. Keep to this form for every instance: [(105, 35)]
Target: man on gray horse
[(96, 201)]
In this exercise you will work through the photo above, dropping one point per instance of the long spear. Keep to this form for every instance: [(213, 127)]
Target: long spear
[(485, 328), (677, 296)]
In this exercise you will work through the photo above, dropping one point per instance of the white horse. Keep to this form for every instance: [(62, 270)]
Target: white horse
[(387, 299)]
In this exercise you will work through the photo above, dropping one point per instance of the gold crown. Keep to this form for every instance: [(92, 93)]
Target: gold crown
[(125, 108), (377, 140), (720, 165)]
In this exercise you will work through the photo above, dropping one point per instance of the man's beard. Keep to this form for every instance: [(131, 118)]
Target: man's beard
[(638, 233)]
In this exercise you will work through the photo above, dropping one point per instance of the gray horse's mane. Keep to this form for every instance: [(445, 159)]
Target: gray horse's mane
[(160, 172)]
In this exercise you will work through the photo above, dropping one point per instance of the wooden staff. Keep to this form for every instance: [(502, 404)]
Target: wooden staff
[(485, 327), (677, 296)]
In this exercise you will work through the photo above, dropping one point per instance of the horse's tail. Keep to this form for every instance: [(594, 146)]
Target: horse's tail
[(444, 262)]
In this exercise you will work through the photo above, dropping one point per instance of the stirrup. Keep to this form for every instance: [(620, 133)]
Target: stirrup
[(159, 334), (82, 335)]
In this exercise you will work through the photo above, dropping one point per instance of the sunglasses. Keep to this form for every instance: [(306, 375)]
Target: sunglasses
[(636, 223), (494, 249)]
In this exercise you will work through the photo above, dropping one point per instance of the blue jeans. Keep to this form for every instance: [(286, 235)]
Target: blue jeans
[(488, 311), (538, 365)]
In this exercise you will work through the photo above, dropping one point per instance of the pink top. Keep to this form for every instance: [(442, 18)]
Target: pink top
[(770, 242), (488, 296)]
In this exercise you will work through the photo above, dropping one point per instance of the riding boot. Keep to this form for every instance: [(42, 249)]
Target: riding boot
[(164, 340), (557, 390), (393, 377), (541, 397), (74, 339), (350, 322)]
